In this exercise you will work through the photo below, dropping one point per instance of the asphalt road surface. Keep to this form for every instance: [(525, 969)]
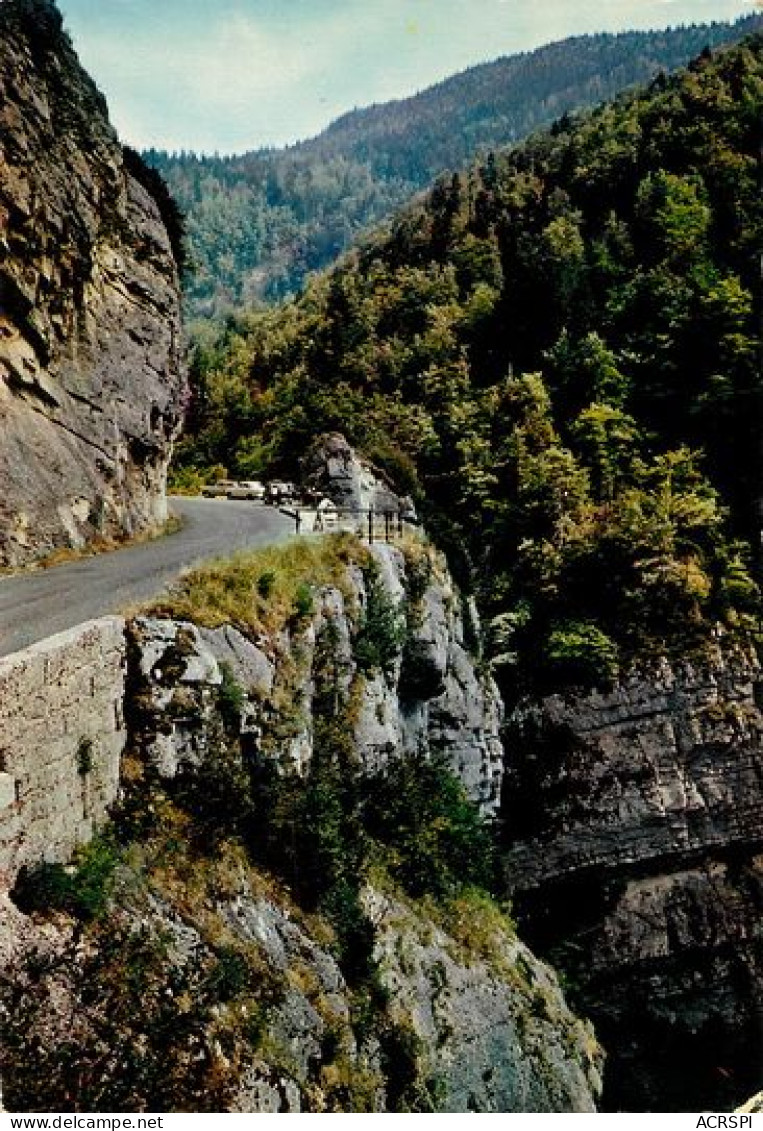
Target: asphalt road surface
[(42, 603)]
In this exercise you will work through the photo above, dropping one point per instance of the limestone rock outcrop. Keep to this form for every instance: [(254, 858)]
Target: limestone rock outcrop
[(462, 1018), (492, 1043), (91, 383), (463, 1032), (333, 468), (432, 699), (485, 1040), (633, 821)]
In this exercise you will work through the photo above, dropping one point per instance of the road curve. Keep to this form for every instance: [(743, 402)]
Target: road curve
[(42, 603)]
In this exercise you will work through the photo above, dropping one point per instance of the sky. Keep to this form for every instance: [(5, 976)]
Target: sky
[(233, 75)]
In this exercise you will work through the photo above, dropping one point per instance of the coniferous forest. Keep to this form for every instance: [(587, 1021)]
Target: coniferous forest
[(556, 353), (259, 223)]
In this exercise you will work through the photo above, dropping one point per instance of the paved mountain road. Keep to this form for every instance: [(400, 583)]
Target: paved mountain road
[(39, 604)]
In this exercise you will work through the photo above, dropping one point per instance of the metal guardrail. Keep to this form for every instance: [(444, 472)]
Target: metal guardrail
[(370, 524)]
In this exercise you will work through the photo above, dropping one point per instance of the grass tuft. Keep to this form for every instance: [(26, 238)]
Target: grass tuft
[(232, 591)]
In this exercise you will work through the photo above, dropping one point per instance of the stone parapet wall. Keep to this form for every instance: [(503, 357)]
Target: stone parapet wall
[(62, 733)]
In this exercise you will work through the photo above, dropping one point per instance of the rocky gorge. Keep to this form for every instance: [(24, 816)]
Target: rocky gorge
[(155, 953), (458, 1015), (248, 834), (629, 820)]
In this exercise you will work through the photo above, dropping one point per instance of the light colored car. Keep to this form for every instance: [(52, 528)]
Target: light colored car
[(218, 490), (247, 489), (279, 491)]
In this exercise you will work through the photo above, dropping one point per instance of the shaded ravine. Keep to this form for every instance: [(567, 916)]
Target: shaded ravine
[(40, 604)]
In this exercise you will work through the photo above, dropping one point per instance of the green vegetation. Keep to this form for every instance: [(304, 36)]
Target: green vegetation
[(324, 834), (580, 653), (431, 838), (265, 583), (263, 590), (303, 601), (83, 889), (85, 756), (381, 631), (556, 352), (215, 794), (258, 224), (230, 698)]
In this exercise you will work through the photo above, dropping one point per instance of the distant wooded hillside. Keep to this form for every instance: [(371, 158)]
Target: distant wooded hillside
[(259, 223), (557, 353)]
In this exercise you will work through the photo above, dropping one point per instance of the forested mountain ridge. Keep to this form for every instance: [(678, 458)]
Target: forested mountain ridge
[(260, 222), (558, 351)]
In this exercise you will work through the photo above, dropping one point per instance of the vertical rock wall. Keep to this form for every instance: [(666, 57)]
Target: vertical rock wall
[(431, 701), (91, 384), (634, 822)]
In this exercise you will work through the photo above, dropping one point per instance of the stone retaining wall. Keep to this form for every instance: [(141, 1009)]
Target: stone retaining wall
[(62, 733)]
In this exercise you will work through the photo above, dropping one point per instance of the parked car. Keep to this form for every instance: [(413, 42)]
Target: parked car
[(218, 490), (247, 489), (279, 491)]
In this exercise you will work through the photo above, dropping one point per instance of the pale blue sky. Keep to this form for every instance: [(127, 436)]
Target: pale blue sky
[(232, 75)]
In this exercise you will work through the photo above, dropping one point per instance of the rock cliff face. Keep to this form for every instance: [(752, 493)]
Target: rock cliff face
[(264, 1013), (90, 374), (496, 1034), (334, 469), (633, 821), (430, 700), (462, 1033)]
